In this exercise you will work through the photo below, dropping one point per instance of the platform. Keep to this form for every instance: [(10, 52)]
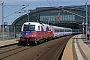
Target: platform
[(77, 48), (8, 42)]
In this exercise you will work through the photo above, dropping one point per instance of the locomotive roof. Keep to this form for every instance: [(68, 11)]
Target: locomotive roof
[(35, 23), (67, 28)]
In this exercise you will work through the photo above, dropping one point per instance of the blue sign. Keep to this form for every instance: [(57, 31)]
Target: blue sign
[(5, 23)]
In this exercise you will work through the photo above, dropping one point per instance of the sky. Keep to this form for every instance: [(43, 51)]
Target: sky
[(12, 7)]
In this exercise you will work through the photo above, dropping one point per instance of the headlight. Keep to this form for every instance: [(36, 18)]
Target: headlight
[(34, 35)]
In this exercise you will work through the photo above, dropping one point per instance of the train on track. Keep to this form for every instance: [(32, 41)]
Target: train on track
[(34, 32)]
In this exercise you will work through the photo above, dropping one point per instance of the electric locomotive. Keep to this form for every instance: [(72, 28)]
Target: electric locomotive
[(34, 32)]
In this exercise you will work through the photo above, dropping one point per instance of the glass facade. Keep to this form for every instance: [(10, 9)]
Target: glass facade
[(54, 15), (61, 18)]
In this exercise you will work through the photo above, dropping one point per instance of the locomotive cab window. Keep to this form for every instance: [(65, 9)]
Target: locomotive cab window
[(29, 28), (38, 27)]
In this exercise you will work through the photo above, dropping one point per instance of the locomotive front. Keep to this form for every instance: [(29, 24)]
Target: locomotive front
[(28, 33)]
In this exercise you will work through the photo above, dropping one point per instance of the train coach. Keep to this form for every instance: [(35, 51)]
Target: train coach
[(34, 32), (61, 31), (58, 31)]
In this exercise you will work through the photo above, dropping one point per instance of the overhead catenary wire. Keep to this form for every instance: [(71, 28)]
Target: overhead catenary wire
[(12, 13), (54, 2), (49, 3), (25, 3), (12, 7), (16, 11)]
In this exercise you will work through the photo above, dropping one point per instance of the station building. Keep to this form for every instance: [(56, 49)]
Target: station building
[(64, 16)]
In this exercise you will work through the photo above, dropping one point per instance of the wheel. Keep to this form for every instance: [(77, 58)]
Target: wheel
[(36, 42), (21, 43)]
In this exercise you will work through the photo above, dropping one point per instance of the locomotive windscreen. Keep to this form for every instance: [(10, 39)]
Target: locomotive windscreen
[(29, 28)]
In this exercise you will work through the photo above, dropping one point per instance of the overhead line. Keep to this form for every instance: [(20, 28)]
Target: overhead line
[(25, 2), (54, 3), (49, 3)]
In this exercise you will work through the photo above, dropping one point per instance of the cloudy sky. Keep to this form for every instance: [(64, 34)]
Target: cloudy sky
[(12, 7)]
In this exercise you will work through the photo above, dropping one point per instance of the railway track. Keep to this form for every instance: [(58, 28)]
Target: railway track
[(11, 50), (55, 51), (51, 50)]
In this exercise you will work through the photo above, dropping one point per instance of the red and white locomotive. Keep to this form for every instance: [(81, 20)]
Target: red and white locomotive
[(34, 32)]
